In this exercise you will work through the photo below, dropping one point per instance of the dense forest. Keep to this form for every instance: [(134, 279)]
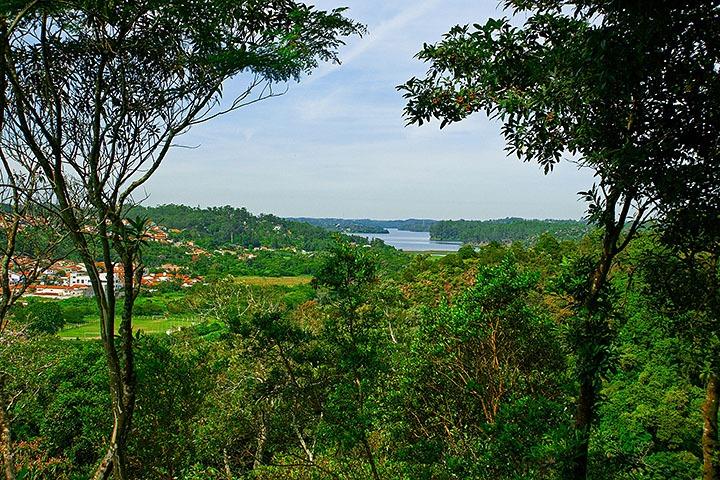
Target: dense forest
[(267, 386), (506, 230), (211, 344), (235, 242), (214, 227)]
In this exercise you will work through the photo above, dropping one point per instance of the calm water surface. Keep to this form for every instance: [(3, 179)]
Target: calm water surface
[(412, 241)]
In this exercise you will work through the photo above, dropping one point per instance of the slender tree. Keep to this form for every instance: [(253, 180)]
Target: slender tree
[(354, 330), (690, 289), (626, 89), (98, 94), (30, 243)]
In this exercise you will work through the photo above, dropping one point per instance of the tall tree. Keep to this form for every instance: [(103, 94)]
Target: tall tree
[(489, 352), (30, 243), (354, 331), (98, 94), (691, 290), (627, 89)]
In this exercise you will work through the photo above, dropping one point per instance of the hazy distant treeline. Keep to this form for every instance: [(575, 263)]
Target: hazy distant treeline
[(366, 225)]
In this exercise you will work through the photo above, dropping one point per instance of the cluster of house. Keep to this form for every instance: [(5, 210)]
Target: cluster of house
[(64, 279), (160, 234), (169, 273), (67, 279)]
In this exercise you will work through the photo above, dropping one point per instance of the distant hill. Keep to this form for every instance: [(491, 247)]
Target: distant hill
[(366, 225), (217, 241), (505, 230), (215, 227)]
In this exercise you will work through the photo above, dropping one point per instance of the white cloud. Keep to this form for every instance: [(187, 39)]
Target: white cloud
[(336, 145), (376, 35)]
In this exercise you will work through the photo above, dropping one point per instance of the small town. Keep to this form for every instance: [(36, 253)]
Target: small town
[(68, 279)]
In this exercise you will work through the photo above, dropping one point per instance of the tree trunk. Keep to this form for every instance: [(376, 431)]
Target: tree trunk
[(261, 439), (114, 461), (583, 422), (121, 367), (6, 447), (711, 462), (585, 407), (371, 459), (226, 462)]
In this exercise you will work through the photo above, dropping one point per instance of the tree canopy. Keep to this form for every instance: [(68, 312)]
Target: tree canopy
[(95, 94), (626, 89)]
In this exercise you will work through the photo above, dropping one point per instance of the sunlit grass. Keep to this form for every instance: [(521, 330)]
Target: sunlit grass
[(432, 253), (275, 281), (162, 323), (146, 324)]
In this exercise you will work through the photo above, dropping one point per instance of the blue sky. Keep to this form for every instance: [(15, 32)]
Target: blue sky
[(336, 144)]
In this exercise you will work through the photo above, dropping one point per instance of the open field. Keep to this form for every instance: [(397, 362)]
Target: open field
[(432, 253), (146, 324), (275, 281), (152, 315)]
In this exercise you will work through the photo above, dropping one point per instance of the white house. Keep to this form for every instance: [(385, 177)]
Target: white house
[(77, 278)]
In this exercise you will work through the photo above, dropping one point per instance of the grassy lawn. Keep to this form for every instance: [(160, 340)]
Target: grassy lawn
[(152, 315), (433, 253), (275, 281), (146, 324)]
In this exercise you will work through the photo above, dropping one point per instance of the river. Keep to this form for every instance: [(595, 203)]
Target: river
[(412, 241)]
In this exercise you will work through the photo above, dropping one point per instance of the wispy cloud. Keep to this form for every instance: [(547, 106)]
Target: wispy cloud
[(376, 35), (336, 144)]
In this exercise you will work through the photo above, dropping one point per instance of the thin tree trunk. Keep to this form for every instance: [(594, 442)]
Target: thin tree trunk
[(114, 461), (226, 462), (711, 462), (122, 373), (585, 407), (261, 439), (6, 447), (583, 421), (105, 468), (371, 459)]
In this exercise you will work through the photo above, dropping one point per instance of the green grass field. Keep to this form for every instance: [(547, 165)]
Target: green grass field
[(146, 324), (157, 320), (275, 281), (433, 253)]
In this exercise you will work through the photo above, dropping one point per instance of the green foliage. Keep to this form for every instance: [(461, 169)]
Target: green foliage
[(367, 225), (466, 252), (650, 419), (61, 404), (457, 368), (215, 227), (149, 307), (76, 310), (355, 339), (489, 362), (41, 317), (506, 230), (346, 272), (264, 263)]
